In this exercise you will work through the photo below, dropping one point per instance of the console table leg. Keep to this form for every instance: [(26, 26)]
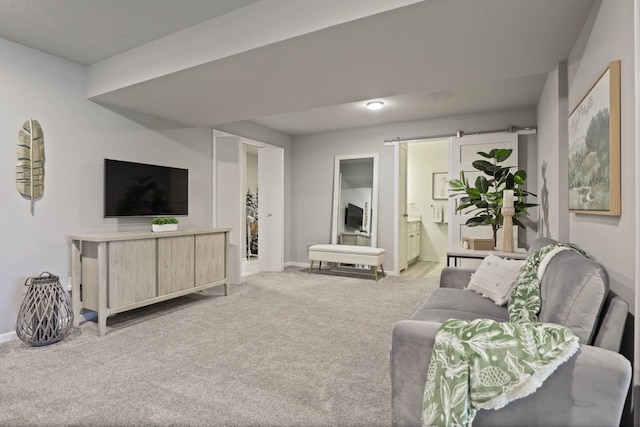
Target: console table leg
[(75, 302), (102, 323), (102, 288), (76, 274)]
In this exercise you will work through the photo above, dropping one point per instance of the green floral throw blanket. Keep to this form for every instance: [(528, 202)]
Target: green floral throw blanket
[(484, 364)]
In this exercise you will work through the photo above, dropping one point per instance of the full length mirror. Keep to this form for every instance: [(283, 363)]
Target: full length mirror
[(355, 200)]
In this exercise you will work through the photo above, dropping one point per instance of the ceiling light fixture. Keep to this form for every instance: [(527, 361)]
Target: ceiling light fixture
[(375, 105)]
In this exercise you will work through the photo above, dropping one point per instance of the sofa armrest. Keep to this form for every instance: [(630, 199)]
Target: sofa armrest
[(612, 322), (455, 277), (587, 390), (411, 345)]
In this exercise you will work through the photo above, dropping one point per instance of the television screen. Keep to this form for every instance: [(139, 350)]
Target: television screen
[(138, 189), (353, 217)]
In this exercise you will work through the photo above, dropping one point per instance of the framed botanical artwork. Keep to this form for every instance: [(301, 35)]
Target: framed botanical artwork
[(440, 189), (594, 148)]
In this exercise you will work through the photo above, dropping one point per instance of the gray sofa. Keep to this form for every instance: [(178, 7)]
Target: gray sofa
[(588, 390)]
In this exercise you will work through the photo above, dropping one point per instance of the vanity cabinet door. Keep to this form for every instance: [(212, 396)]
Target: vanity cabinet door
[(176, 264), (210, 258), (415, 244), (413, 240)]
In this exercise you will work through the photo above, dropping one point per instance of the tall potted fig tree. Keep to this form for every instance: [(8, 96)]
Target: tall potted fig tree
[(484, 198)]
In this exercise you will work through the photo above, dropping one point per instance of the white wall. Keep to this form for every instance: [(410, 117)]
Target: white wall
[(78, 136), (552, 150), (312, 171), (230, 199), (528, 160), (424, 159), (608, 36)]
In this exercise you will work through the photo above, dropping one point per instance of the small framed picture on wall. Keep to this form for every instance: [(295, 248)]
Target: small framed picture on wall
[(440, 189)]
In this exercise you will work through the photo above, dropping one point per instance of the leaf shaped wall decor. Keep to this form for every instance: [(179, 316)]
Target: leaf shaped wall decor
[(30, 166)]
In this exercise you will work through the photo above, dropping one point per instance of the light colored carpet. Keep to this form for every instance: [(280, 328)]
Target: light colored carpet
[(284, 349)]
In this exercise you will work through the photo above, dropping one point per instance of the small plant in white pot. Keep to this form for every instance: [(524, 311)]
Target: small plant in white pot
[(164, 224)]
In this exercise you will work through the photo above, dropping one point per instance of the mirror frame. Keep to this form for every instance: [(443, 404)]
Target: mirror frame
[(373, 232)]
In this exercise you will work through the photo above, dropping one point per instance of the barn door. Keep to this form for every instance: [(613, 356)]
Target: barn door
[(463, 153)]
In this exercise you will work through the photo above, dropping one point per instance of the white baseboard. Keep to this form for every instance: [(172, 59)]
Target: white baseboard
[(433, 259), (9, 336), (296, 264)]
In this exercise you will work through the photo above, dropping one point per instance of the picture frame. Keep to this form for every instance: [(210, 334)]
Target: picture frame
[(440, 186), (594, 148)]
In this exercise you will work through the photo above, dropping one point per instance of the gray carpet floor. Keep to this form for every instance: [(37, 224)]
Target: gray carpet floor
[(284, 349)]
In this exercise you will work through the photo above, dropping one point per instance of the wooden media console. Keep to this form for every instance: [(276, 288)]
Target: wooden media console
[(116, 272)]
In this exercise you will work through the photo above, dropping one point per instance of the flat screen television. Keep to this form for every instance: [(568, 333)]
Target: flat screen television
[(139, 189), (353, 217)]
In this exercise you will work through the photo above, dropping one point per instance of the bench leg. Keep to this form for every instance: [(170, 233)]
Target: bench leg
[(319, 265), (310, 267), (382, 268), (374, 268)]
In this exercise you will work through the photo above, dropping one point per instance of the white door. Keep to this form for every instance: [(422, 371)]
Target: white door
[(271, 208), (229, 198), (403, 244), (463, 153)]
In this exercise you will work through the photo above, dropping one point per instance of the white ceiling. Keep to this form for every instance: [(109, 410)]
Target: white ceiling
[(430, 59), (87, 31)]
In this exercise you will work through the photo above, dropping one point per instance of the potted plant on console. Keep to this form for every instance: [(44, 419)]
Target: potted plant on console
[(164, 224), (485, 198)]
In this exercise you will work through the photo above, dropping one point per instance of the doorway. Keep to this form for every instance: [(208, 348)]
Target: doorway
[(465, 151), (232, 154), (423, 207), (250, 236)]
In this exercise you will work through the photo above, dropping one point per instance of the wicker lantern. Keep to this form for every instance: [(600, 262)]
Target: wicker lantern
[(45, 315)]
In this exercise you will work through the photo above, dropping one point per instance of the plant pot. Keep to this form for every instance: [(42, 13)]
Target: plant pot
[(164, 227)]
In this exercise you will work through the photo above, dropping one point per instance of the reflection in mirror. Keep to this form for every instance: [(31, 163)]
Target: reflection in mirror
[(355, 200)]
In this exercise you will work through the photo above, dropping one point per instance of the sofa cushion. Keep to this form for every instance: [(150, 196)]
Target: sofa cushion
[(448, 303), (573, 290), (495, 278)]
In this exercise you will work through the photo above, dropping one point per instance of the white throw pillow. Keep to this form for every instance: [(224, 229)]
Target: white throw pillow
[(495, 278)]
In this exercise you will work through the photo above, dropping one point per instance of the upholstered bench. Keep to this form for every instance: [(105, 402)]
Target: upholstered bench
[(348, 254)]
